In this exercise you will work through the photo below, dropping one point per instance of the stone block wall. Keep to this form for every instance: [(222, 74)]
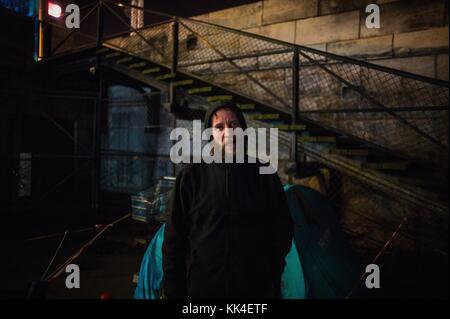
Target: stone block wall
[(413, 35)]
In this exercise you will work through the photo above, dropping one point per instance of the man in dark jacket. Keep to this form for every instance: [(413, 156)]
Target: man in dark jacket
[(228, 228)]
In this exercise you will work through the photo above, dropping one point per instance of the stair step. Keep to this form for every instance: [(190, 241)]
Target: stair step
[(166, 76), (204, 89), (317, 139), (126, 59), (139, 218), (394, 166), (217, 98), (140, 241), (350, 152), (246, 107), (137, 65), (112, 55), (293, 127), (152, 70), (183, 82), (274, 116), (102, 50)]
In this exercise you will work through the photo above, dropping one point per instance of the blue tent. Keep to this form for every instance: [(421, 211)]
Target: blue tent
[(320, 263), (329, 265)]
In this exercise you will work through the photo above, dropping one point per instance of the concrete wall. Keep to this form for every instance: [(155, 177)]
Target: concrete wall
[(413, 35)]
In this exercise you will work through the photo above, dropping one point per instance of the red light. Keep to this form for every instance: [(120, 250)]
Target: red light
[(54, 10)]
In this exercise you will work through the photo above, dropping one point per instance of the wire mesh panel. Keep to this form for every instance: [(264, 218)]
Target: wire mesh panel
[(370, 217), (135, 144), (57, 148), (152, 41), (236, 61), (153, 44), (398, 112)]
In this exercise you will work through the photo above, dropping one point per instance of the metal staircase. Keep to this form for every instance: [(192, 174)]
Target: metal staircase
[(385, 129)]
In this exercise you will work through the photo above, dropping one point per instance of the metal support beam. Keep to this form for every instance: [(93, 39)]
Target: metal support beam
[(97, 142), (16, 130), (175, 32), (172, 89), (41, 30), (100, 23), (44, 32), (96, 176), (295, 109)]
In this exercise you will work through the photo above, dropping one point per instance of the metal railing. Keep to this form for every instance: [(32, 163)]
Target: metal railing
[(400, 111)]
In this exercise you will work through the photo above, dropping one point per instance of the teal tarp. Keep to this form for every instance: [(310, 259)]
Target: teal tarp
[(151, 272), (329, 265)]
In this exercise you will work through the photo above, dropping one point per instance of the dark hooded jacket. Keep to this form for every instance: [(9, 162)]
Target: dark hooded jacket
[(228, 230)]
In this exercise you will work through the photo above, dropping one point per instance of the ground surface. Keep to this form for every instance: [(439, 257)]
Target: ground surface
[(106, 266)]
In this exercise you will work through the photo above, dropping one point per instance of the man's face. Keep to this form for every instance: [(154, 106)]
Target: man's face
[(222, 120)]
